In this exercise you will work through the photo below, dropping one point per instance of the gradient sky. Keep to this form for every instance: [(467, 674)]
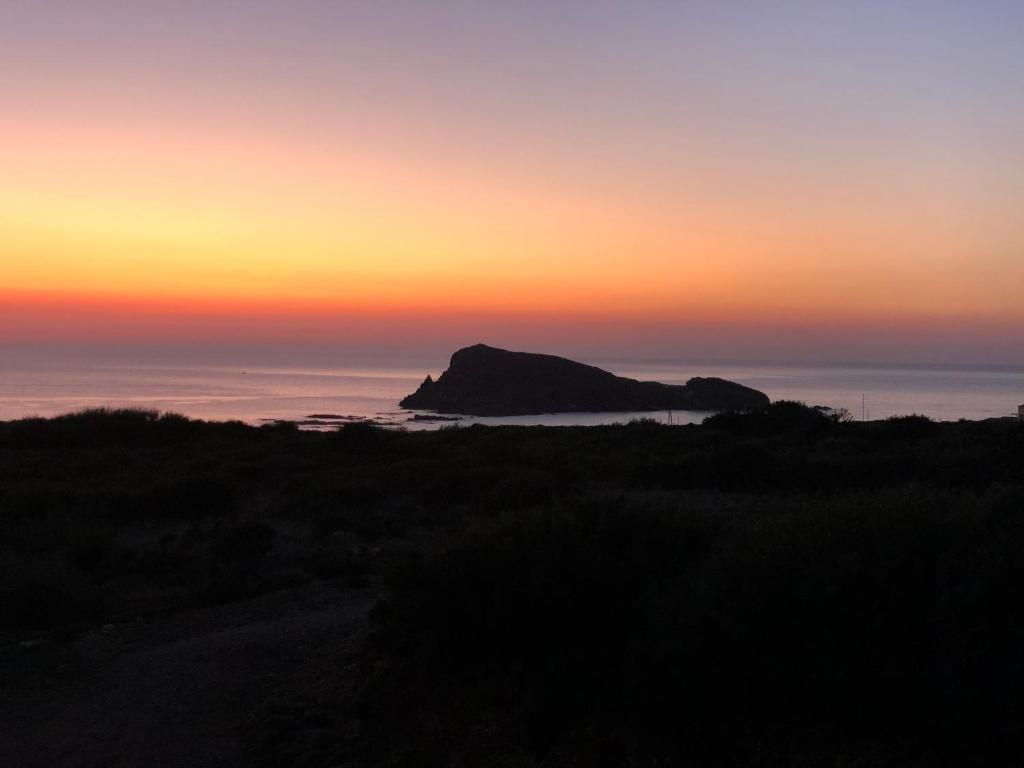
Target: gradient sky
[(795, 179)]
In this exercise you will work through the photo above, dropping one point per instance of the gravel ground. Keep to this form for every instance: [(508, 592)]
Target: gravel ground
[(194, 689)]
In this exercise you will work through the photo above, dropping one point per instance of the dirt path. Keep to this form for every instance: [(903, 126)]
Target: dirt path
[(180, 691)]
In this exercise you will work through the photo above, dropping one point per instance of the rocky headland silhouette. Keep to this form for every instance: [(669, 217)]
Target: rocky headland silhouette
[(486, 381)]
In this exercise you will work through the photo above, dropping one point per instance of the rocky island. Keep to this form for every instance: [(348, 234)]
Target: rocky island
[(486, 381)]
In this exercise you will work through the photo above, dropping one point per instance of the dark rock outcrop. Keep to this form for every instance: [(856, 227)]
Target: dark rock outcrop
[(484, 381)]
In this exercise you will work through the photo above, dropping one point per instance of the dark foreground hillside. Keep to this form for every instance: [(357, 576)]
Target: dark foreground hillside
[(766, 589)]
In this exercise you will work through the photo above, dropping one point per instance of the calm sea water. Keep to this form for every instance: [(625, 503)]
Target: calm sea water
[(258, 394)]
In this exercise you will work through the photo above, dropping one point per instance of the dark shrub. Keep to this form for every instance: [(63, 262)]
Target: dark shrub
[(905, 427), (91, 548), (242, 541), (339, 556), (191, 497), (669, 633), (358, 438), (783, 417), (103, 426), (44, 594), (226, 583)]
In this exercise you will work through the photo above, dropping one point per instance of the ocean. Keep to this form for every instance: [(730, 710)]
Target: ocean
[(260, 394)]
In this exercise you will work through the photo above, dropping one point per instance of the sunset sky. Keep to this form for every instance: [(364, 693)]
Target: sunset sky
[(796, 179)]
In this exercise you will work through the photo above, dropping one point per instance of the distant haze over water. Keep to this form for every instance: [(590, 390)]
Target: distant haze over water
[(255, 393)]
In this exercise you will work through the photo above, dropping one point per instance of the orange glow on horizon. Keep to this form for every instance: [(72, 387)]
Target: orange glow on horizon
[(245, 192), (89, 317)]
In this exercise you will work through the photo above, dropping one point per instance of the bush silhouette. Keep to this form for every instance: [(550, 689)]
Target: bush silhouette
[(775, 587), (686, 630)]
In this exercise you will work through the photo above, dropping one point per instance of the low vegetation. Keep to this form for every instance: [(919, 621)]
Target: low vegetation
[(777, 588)]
